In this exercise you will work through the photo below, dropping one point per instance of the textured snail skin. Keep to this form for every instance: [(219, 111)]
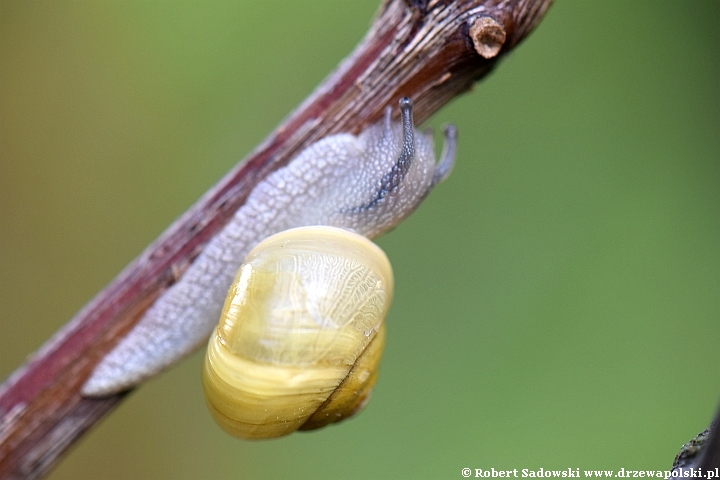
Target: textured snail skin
[(301, 333), (366, 184)]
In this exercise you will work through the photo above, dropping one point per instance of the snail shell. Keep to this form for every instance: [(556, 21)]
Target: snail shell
[(300, 335)]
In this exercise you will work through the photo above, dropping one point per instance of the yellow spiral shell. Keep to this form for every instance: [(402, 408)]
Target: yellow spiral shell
[(301, 334)]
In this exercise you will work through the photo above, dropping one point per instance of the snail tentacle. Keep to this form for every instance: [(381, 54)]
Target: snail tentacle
[(447, 158)]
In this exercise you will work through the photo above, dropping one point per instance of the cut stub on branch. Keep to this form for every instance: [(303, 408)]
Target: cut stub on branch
[(429, 51), (488, 36)]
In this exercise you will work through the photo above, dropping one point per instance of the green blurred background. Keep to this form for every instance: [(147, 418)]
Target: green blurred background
[(557, 298)]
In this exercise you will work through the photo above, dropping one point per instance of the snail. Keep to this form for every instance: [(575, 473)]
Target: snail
[(364, 184), (301, 334)]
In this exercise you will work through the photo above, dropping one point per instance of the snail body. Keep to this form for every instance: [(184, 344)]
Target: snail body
[(365, 184), (301, 333)]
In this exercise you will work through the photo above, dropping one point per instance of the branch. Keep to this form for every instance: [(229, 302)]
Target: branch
[(701, 454), (428, 50)]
